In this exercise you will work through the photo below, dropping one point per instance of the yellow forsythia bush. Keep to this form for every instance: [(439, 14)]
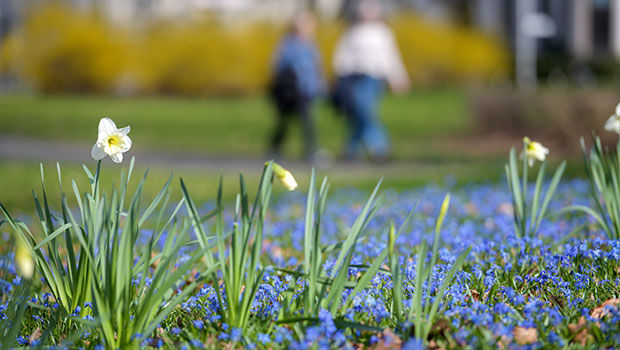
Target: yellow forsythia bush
[(60, 49), (207, 58), (439, 53)]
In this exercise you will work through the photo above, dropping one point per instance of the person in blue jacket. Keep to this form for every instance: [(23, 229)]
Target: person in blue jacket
[(297, 81)]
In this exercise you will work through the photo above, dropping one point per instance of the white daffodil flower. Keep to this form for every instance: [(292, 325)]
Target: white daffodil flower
[(613, 123), (534, 151), (111, 141), (23, 260), (285, 176)]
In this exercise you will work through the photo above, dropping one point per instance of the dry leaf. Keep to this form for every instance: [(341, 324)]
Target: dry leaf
[(439, 328), (36, 334), (524, 336), (156, 262), (471, 209), (432, 345), (388, 341), (505, 208), (503, 342), (580, 331), (604, 309)]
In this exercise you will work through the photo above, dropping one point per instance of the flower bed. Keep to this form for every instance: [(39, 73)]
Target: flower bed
[(535, 266)]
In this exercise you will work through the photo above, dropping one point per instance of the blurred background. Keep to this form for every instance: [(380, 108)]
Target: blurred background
[(191, 78)]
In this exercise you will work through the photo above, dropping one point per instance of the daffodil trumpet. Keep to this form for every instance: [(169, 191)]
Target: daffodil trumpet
[(111, 141), (534, 151)]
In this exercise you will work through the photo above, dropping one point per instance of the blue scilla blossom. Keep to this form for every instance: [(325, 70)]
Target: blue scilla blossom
[(263, 338), (282, 335), (22, 341), (555, 339), (17, 280), (198, 324), (235, 334), (266, 302), (76, 312), (413, 344), (197, 343)]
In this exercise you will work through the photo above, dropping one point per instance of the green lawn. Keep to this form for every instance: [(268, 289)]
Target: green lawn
[(19, 179), (422, 126), (229, 126)]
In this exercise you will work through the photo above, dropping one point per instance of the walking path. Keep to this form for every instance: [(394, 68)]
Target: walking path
[(19, 148)]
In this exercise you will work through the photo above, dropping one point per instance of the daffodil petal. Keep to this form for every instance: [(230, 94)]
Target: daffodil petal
[(613, 124), (618, 110), (97, 152), (23, 261), (126, 142), (117, 158), (289, 181), (111, 141), (106, 126), (124, 131)]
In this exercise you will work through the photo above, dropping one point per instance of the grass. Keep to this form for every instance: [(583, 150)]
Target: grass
[(15, 194), (422, 125), (227, 126)]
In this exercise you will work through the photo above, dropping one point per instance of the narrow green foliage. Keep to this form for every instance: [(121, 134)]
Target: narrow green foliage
[(14, 310), (395, 268), (321, 290), (341, 267), (104, 263), (603, 172), (237, 254), (529, 213), (422, 313)]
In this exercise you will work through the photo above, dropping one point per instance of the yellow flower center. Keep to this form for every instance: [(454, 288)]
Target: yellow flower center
[(113, 141)]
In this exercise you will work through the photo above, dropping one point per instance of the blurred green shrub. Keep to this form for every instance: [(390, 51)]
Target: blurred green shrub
[(59, 49)]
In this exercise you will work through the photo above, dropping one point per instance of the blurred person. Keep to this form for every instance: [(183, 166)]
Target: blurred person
[(297, 81), (366, 57)]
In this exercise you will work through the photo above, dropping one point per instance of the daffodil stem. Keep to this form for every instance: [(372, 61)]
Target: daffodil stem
[(96, 184)]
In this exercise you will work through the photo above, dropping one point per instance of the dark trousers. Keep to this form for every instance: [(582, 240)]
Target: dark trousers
[(358, 97), (304, 113)]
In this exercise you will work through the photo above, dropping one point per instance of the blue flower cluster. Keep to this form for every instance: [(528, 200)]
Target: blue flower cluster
[(542, 292)]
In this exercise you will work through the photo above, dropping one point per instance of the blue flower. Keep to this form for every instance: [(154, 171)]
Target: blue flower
[(263, 338), (22, 341)]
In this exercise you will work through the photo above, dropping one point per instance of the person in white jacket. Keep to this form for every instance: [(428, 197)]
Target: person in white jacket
[(366, 57)]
